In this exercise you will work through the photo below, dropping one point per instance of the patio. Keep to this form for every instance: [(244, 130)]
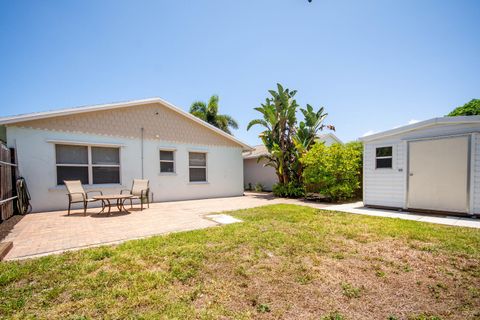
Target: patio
[(54, 232)]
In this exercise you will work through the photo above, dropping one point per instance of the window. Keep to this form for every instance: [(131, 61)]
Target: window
[(167, 161), (383, 157), (90, 165), (197, 162)]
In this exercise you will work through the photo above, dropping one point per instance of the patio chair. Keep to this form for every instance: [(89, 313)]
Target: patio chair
[(76, 194), (140, 190)]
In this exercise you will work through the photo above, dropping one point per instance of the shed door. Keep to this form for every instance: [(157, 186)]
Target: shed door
[(438, 174)]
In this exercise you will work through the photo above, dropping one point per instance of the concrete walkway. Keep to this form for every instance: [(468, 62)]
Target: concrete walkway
[(358, 208), (54, 232)]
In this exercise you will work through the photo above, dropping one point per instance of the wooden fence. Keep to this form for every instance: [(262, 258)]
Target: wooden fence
[(7, 196)]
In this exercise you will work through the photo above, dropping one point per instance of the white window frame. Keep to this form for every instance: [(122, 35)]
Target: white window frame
[(383, 157), (174, 162), (90, 164), (198, 167)]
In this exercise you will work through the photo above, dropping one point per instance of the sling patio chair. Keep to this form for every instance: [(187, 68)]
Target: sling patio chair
[(140, 190), (76, 194)]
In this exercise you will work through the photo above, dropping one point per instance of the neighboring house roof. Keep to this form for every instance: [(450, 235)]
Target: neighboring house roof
[(261, 150), (256, 152), (325, 136), (421, 125), (12, 120)]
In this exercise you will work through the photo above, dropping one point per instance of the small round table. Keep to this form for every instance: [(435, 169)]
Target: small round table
[(119, 198)]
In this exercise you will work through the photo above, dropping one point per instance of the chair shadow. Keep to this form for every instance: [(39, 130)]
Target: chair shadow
[(263, 195), (112, 214), (97, 214)]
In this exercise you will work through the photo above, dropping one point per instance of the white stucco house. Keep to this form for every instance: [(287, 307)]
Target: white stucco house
[(107, 146), (431, 166), (255, 172)]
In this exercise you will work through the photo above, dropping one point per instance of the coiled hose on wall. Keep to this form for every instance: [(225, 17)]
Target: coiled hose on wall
[(23, 200)]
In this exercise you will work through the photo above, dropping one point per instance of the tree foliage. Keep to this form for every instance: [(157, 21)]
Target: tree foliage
[(285, 138), (209, 113), (334, 171), (471, 108)]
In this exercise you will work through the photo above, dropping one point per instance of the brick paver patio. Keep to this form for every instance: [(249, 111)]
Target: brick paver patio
[(53, 232)]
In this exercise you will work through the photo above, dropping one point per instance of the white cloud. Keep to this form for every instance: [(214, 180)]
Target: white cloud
[(368, 133)]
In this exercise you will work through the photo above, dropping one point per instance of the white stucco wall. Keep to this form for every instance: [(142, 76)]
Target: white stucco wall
[(36, 161), (257, 173), (388, 187)]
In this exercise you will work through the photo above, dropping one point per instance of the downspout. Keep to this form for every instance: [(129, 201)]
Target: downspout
[(141, 152)]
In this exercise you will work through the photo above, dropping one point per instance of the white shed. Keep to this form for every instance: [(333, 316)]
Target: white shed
[(430, 166)]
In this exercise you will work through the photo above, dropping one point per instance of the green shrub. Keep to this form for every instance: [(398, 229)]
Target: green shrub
[(335, 172), (259, 187), (289, 190)]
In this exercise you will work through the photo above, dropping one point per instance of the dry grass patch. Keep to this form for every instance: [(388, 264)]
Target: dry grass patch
[(283, 262)]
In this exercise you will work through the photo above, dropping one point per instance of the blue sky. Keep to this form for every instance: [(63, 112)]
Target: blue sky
[(373, 65)]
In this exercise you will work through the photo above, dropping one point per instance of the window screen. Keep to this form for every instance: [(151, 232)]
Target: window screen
[(71, 154), (167, 161), (90, 165), (383, 157), (197, 166)]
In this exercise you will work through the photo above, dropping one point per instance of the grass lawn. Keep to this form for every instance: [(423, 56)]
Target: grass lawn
[(284, 261)]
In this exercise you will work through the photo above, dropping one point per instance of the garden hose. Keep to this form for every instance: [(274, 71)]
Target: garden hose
[(23, 200)]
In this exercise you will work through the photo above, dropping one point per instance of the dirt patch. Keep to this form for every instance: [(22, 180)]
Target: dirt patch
[(374, 280), (7, 226)]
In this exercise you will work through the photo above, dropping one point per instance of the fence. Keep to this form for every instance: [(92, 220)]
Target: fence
[(7, 172)]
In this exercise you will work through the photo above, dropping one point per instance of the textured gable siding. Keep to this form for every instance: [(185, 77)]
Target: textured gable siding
[(159, 122)]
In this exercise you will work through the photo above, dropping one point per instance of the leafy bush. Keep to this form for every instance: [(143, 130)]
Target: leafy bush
[(335, 171), (259, 187), (288, 190), (471, 108)]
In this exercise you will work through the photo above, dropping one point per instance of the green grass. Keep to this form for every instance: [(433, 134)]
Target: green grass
[(283, 261)]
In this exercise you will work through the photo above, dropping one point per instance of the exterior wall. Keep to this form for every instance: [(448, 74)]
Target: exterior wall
[(256, 173), (475, 174), (385, 187), (388, 187), (36, 160), (158, 121)]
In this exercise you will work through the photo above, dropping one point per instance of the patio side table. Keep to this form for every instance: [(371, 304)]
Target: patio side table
[(119, 199)]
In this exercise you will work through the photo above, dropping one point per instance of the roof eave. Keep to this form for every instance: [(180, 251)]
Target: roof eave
[(50, 114), (421, 124)]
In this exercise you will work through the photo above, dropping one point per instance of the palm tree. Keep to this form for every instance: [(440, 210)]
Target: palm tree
[(209, 113), (286, 141)]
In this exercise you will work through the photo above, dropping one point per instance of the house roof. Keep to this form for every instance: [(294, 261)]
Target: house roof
[(256, 152), (9, 120), (423, 124), (323, 136)]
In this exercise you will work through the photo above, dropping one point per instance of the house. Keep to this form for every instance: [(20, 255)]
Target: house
[(432, 165), (255, 172), (107, 146)]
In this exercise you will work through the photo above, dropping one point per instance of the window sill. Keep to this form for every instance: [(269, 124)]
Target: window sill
[(90, 187), (167, 174), (199, 182)]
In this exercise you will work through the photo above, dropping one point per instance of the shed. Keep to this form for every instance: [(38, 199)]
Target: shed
[(429, 166)]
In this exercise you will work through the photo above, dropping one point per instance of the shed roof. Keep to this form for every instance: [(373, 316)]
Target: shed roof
[(422, 125)]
